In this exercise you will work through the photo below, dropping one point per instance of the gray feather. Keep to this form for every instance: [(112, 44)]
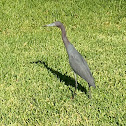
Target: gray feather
[(79, 65)]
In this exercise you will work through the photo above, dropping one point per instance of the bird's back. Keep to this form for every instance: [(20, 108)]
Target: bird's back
[(79, 65)]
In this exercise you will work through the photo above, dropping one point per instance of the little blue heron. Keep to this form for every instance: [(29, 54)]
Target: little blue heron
[(77, 62)]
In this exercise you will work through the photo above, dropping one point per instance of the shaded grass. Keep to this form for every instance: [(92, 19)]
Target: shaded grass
[(68, 80), (40, 94)]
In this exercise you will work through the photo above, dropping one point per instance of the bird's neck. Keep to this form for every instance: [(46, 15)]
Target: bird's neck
[(64, 37)]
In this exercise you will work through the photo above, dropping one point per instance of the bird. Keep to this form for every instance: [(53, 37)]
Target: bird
[(76, 61)]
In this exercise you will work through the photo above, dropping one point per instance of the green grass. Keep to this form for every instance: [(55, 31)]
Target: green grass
[(35, 76)]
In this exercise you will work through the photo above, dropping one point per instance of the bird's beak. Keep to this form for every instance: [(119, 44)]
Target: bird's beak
[(49, 25)]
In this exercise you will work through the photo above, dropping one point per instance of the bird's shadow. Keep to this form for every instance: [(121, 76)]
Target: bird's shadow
[(67, 79)]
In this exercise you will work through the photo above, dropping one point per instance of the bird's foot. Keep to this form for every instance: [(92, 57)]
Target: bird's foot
[(73, 95)]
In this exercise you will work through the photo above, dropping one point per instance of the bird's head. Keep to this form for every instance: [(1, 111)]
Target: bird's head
[(54, 24)]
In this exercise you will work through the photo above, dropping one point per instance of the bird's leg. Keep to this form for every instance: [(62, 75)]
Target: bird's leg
[(89, 91), (75, 83)]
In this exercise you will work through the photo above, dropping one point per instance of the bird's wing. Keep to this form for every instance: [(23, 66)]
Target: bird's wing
[(80, 67), (85, 63), (78, 63)]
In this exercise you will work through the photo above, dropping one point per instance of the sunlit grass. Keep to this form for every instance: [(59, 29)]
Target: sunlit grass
[(35, 76)]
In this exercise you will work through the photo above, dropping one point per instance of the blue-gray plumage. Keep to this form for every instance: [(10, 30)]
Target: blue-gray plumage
[(77, 62)]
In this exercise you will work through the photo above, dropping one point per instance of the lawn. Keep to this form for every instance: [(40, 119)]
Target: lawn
[(36, 81)]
